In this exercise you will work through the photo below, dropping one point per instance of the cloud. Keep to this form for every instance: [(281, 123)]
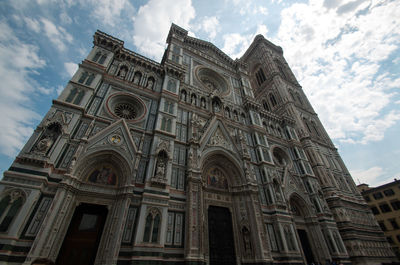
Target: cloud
[(337, 60), (56, 34), (70, 68), (109, 12), (236, 44), (374, 176), (18, 61), (152, 23), (209, 25), (32, 24)]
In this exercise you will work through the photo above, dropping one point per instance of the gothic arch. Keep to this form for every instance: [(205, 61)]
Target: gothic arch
[(299, 206), (109, 159), (217, 158)]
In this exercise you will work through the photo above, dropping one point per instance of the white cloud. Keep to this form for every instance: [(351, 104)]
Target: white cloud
[(18, 61), (70, 68), (56, 34), (153, 20), (209, 25), (109, 12), (337, 58), (262, 10), (236, 44), (373, 176), (32, 24)]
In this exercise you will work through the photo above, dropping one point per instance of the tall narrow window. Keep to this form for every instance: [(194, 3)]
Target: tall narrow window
[(90, 80), (83, 77), (152, 227), (96, 57), (102, 59), (272, 99), (9, 207), (175, 228), (72, 94)]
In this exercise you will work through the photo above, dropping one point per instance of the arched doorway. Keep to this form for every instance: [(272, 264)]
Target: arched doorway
[(223, 238), (299, 212)]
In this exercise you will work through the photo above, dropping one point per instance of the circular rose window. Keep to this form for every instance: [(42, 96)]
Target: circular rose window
[(212, 81), (126, 106)]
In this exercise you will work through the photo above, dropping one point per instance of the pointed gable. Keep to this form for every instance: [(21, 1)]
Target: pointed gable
[(117, 137), (217, 135)]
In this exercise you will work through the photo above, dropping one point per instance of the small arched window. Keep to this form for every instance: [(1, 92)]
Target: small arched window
[(9, 208), (273, 100), (260, 76), (152, 227), (315, 128), (307, 125)]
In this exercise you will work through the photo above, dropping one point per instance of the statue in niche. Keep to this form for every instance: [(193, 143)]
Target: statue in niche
[(217, 179), (122, 72), (150, 83), (48, 137), (104, 175), (161, 166), (246, 241)]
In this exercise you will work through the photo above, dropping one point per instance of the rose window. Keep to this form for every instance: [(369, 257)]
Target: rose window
[(126, 111), (126, 106)]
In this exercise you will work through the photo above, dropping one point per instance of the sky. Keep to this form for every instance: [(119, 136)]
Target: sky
[(345, 55)]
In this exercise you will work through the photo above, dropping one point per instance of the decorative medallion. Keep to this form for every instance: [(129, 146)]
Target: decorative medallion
[(115, 139), (126, 106), (126, 111)]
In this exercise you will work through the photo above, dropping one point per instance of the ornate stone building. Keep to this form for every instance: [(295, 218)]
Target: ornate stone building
[(199, 159)]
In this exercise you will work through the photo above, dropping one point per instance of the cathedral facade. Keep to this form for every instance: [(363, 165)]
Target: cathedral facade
[(199, 159)]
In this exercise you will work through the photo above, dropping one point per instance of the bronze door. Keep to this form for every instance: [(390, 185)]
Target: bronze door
[(83, 236), (220, 233)]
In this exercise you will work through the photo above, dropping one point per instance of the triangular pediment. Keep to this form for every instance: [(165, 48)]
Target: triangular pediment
[(217, 135), (114, 137)]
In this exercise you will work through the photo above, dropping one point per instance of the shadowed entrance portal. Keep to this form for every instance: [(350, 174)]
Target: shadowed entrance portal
[(83, 236), (222, 248)]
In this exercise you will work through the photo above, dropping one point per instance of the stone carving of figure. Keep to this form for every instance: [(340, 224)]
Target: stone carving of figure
[(150, 83), (122, 72), (160, 172)]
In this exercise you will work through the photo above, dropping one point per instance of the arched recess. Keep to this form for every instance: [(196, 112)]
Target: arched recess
[(108, 168), (221, 166)]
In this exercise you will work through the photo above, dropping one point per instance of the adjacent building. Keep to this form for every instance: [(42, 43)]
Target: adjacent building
[(197, 159), (384, 202)]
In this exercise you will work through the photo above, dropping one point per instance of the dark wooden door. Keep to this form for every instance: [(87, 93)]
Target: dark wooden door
[(83, 236), (305, 244), (220, 233)]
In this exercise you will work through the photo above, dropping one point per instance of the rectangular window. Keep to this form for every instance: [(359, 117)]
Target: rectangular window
[(395, 205), (178, 178), (367, 198), (390, 239), (375, 210), (377, 195), (385, 208), (382, 225), (175, 226), (129, 225), (181, 125), (394, 224), (388, 192)]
